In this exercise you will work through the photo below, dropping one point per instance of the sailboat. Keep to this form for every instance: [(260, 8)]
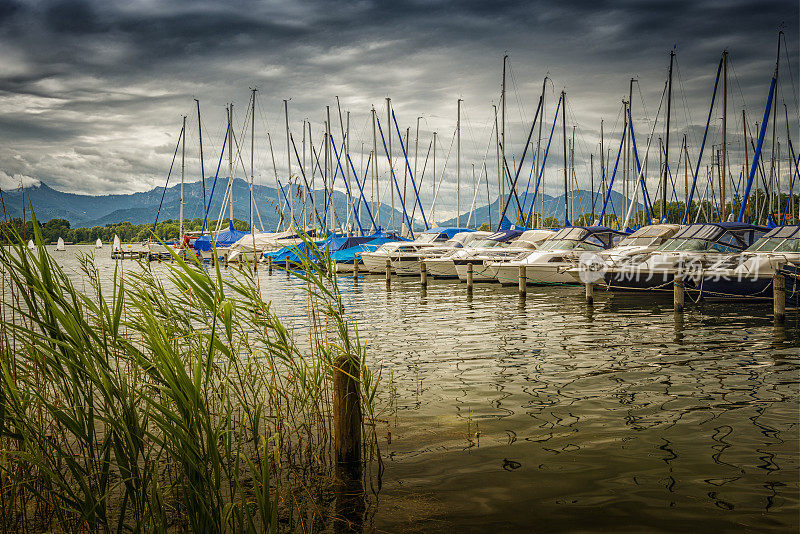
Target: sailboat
[(31, 246), (60, 244), (98, 243), (117, 246)]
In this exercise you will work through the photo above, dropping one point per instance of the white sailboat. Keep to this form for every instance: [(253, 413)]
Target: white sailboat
[(60, 244), (31, 246), (117, 246), (98, 243)]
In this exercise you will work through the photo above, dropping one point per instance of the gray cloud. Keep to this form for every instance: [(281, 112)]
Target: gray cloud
[(91, 93)]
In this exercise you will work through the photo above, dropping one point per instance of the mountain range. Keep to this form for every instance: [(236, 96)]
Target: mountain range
[(141, 208)]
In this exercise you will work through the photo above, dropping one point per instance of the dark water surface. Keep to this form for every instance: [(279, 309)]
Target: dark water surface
[(554, 416)]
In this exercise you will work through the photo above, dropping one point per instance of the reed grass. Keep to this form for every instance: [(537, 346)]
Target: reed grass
[(173, 398)]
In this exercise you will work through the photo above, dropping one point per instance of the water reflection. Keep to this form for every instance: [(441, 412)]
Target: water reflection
[(544, 413)]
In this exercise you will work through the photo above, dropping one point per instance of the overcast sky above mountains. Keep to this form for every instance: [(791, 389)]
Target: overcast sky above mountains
[(92, 93)]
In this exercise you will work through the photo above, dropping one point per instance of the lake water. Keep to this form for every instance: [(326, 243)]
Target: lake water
[(555, 416)]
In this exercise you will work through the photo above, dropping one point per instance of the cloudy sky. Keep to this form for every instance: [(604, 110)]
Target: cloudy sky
[(92, 92)]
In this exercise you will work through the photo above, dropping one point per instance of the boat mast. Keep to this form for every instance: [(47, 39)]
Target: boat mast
[(602, 165), (539, 147), (500, 182), (433, 184), (724, 133), (252, 157), (458, 161), (391, 163), (664, 213), (774, 124), (230, 163), (183, 170), (376, 196), (503, 116), (564, 136), (202, 167), (288, 156)]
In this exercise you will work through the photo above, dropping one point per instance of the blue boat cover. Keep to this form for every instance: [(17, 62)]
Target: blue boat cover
[(448, 231), (348, 255), (223, 238)]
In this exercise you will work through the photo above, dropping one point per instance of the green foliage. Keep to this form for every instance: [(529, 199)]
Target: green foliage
[(176, 399), (129, 233)]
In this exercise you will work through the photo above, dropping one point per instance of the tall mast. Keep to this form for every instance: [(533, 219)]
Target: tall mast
[(686, 172), (375, 167), (183, 170), (724, 132), (305, 172), (501, 184), (539, 143), (434, 169), (230, 162), (458, 160), (602, 163), (288, 154), (564, 135), (744, 131), (202, 167), (313, 168), (629, 171), (591, 174), (416, 146), (391, 163), (503, 112), (664, 211), (329, 165), (252, 157), (774, 124)]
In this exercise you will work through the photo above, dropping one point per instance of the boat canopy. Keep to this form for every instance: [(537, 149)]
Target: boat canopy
[(348, 255), (448, 232), (504, 235), (779, 239), (721, 237), (222, 238)]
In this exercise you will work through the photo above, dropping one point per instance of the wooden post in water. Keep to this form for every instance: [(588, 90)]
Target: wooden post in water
[(388, 271), (678, 292), (779, 296), (423, 274), (269, 264), (589, 293), (469, 278), (523, 282), (347, 413), (355, 268)]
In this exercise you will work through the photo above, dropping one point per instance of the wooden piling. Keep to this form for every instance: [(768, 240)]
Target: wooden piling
[(523, 281), (355, 267), (779, 297), (589, 293), (423, 274), (347, 412), (678, 292), (470, 280), (269, 264), (388, 271)]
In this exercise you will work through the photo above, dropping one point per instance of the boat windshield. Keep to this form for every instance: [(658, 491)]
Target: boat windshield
[(775, 244), (487, 243), (430, 238), (639, 241), (568, 244)]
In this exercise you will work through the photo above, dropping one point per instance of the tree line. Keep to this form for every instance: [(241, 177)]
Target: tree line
[(166, 230)]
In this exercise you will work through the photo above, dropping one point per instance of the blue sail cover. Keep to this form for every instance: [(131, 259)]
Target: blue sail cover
[(348, 255), (223, 238)]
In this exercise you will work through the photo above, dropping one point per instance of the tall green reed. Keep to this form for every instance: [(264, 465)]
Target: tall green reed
[(174, 398)]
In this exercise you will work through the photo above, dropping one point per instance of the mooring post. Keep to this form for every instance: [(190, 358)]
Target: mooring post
[(589, 293), (779, 296), (388, 271), (269, 264), (469, 278), (347, 413), (678, 292), (423, 274), (523, 282), (355, 268)]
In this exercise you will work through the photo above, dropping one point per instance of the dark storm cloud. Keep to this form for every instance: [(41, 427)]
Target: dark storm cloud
[(91, 92)]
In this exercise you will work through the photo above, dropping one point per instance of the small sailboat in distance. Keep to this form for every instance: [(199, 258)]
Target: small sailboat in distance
[(98, 243), (31, 245), (117, 246), (60, 244)]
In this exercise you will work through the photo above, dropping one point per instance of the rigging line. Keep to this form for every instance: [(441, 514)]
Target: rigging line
[(175, 155), (791, 75), (441, 179), (422, 178)]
